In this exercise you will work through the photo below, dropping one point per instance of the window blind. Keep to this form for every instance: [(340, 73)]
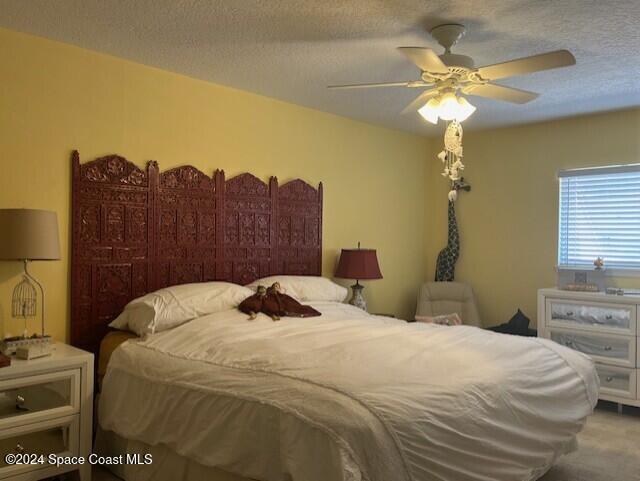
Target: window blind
[(600, 217)]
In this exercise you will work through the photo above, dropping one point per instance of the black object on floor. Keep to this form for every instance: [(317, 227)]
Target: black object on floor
[(518, 325)]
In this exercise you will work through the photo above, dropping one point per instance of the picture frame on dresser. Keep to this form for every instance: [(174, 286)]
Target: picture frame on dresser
[(603, 326)]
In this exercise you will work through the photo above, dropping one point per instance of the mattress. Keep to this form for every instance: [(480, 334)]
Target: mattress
[(349, 396), (110, 343)]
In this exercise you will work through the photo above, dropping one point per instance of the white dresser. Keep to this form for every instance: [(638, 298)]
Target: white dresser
[(602, 326), (46, 407)]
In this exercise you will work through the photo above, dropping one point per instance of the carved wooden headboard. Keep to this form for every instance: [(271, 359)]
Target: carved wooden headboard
[(135, 231)]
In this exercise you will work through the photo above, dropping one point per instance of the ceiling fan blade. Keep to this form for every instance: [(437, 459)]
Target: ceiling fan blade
[(536, 63), (500, 92), (366, 86), (420, 100), (425, 59)]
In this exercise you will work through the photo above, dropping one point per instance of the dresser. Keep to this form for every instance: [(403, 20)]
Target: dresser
[(605, 327), (46, 407)]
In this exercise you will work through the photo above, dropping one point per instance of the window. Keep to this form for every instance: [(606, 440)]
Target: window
[(600, 217)]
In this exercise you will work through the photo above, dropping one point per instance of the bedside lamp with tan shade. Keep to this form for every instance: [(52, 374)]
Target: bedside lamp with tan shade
[(359, 264), (28, 235)]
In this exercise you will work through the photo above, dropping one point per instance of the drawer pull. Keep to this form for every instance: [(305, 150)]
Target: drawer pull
[(607, 348), (608, 317), (568, 343), (608, 378), (569, 313), (19, 448), (20, 400)]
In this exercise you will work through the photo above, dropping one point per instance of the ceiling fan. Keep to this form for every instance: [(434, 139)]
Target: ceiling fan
[(449, 75)]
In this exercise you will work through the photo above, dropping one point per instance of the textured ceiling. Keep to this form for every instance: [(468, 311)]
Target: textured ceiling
[(292, 50)]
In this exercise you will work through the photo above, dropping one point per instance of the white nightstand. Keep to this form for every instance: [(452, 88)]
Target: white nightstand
[(46, 407)]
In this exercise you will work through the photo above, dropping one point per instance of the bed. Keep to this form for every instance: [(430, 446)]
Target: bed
[(344, 396)]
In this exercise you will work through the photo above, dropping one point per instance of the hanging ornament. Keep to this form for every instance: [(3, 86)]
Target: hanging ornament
[(451, 158), (453, 138)]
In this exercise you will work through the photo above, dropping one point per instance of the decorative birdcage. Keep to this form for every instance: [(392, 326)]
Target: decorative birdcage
[(24, 301)]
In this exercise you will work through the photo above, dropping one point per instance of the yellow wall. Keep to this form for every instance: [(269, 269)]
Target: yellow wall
[(382, 187), (55, 97), (508, 222)]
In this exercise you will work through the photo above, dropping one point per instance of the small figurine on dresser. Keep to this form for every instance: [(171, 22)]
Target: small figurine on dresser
[(599, 263)]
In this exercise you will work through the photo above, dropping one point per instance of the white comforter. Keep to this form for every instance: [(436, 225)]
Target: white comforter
[(348, 396)]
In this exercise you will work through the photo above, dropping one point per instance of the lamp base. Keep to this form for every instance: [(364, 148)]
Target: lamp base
[(357, 299), (10, 345)]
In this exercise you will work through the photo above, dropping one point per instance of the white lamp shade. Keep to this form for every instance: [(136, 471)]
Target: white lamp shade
[(448, 106), (29, 234), (465, 109), (429, 111)]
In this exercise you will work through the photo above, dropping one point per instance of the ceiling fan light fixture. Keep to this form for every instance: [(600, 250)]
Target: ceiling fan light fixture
[(449, 106), (449, 74), (429, 111), (446, 107), (465, 109)]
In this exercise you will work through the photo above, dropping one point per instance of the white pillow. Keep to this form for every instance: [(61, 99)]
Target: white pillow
[(172, 306), (305, 288)]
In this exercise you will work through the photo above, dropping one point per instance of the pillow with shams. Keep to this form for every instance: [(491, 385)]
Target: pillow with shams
[(175, 305), (305, 288)]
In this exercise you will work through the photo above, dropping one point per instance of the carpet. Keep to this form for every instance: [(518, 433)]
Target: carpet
[(608, 449)]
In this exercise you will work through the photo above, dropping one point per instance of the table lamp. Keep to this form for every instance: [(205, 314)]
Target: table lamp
[(28, 235), (359, 264)]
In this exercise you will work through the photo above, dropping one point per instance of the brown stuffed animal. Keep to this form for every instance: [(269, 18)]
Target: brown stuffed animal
[(253, 304), (272, 305), (275, 304)]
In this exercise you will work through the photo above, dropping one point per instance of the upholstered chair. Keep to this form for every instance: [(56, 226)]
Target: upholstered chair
[(440, 298)]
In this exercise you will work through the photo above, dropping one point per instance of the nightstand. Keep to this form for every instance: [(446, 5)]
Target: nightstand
[(46, 407)]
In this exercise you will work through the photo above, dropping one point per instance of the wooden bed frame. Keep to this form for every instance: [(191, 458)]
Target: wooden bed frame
[(135, 231)]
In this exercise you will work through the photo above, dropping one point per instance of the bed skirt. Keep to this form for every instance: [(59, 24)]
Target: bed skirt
[(167, 465)]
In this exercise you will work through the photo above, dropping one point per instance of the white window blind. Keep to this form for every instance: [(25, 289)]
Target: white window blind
[(600, 217)]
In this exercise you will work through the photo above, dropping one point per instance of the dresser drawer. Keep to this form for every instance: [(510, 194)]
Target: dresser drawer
[(603, 348), (603, 317), (617, 381), (58, 436), (42, 396)]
